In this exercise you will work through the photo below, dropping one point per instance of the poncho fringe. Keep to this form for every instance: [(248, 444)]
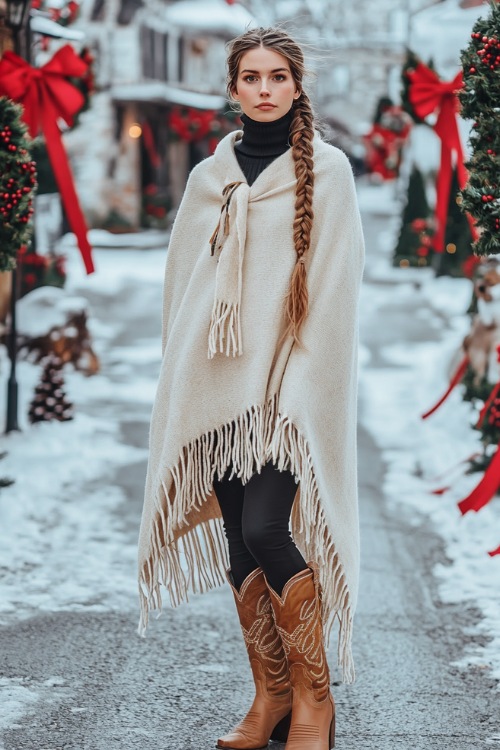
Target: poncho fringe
[(256, 436)]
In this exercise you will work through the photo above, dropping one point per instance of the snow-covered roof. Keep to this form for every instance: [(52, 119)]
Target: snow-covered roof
[(157, 91), (444, 47), (210, 16), (42, 25)]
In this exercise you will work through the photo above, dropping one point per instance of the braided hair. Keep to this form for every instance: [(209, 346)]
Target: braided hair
[(301, 138)]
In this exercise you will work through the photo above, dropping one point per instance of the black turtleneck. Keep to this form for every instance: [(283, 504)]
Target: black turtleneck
[(261, 144)]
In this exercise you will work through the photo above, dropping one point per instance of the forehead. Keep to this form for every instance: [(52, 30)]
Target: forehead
[(262, 59)]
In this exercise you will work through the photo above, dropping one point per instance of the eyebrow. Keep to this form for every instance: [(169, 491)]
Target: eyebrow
[(276, 70)]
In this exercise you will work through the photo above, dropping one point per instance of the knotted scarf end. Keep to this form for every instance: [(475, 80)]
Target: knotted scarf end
[(225, 330)]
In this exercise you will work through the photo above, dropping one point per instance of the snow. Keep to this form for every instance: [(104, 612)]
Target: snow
[(47, 524), (164, 92), (210, 16), (421, 456), (62, 521), (46, 308), (45, 26), (148, 239)]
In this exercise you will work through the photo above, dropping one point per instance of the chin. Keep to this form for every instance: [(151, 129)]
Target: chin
[(266, 116)]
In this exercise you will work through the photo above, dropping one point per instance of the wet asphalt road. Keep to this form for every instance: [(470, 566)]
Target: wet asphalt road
[(101, 687)]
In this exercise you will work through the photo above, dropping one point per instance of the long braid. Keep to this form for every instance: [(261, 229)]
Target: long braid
[(301, 137)]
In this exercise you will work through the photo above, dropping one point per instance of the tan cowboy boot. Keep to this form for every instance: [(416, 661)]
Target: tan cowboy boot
[(269, 715), (297, 613)]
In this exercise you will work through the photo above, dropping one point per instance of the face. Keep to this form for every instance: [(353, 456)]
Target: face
[(265, 88)]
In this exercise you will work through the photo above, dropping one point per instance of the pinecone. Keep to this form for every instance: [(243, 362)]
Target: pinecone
[(50, 400)]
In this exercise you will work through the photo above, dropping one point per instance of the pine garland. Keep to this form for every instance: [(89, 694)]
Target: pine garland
[(17, 183), (480, 100)]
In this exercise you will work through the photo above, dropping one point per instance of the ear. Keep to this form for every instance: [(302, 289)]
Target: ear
[(234, 93), (297, 94)]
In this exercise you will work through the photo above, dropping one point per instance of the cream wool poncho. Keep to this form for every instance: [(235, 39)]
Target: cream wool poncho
[(232, 390)]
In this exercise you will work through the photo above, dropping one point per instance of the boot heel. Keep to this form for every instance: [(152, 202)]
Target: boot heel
[(332, 733), (280, 731)]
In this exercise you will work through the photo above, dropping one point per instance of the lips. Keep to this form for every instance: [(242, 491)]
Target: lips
[(266, 106)]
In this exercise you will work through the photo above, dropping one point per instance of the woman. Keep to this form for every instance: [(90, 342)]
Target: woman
[(254, 423)]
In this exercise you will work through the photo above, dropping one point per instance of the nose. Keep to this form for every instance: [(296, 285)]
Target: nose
[(264, 88)]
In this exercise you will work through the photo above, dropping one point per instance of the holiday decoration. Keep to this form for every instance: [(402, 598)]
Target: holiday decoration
[(489, 426), (17, 183), (482, 342), (385, 141), (47, 96), (456, 378), (39, 270), (50, 401), (409, 66), (84, 83), (61, 12), (190, 124), (414, 245), (51, 322), (480, 100), (428, 95), (455, 258)]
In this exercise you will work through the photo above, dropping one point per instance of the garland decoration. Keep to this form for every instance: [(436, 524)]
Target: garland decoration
[(17, 184), (47, 97), (480, 100)]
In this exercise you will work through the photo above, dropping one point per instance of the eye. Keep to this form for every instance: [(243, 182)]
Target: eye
[(280, 77), (249, 78)]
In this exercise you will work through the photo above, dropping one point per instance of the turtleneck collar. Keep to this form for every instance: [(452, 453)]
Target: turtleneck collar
[(265, 138)]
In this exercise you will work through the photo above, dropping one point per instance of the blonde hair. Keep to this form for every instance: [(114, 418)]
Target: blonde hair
[(301, 138)]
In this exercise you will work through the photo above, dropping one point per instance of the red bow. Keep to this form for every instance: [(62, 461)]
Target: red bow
[(428, 95), (483, 493), (46, 96)]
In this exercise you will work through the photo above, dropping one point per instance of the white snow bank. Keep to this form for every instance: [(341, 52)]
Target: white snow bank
[(422, 456)]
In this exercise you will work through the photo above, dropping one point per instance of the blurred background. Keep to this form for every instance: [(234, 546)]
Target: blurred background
[(105, 107)]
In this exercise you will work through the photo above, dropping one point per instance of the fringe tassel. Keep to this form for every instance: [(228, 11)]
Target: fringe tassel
[(225, 326), (255, 437)]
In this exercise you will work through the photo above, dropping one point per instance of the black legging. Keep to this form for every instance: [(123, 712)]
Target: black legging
[(256, 519)]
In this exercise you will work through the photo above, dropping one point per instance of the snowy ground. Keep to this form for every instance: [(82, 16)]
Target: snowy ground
[(65, 545), (422, 456)]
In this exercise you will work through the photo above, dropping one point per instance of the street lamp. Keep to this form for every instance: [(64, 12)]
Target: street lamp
[(17, 11), (17, 18)]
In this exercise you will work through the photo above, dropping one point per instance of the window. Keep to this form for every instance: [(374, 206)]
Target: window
[(147, 51), (98, 10), (128, 9)]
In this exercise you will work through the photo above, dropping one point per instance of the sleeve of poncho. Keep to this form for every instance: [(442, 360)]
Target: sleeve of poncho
[(181, 254)]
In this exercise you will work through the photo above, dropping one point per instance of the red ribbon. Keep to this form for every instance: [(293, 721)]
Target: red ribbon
[(149, 144), (482, 414), (428, 95), (46, 96), (494, 552), (489, 484), (457, 377)]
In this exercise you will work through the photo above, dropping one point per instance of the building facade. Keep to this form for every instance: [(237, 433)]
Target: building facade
[(159, 106)]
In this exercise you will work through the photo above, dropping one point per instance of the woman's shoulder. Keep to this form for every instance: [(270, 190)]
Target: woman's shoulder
[(328, 156)]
